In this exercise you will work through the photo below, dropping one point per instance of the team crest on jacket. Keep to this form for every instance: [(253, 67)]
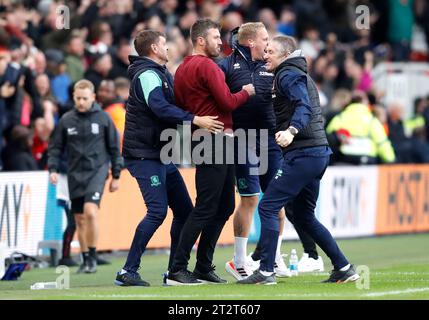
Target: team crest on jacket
[(242, 183), (154, 181), (95, 129)]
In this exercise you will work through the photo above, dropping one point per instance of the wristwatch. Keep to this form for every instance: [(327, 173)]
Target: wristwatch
[(293, 130)]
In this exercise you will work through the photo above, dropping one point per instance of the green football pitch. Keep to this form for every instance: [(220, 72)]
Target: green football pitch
[(394, 267)]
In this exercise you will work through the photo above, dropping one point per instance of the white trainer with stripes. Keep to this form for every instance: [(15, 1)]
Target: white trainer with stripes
[(238, 272)]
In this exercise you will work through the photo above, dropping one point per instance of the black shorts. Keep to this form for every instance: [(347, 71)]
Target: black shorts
[(78, 203)]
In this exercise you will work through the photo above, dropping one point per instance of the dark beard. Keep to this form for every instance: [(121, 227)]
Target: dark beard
[(212, 53)]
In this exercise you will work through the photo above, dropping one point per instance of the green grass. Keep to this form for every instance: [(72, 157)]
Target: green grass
[(399, 269)]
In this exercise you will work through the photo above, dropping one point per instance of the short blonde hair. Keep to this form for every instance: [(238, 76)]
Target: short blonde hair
[(249, 30), (84, 84)]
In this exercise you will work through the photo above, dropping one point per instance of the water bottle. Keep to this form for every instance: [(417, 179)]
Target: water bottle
[(293, 263), (44, 285)]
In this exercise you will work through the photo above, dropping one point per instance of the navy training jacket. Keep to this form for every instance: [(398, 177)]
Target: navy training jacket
[(239, 69), (144, 122)]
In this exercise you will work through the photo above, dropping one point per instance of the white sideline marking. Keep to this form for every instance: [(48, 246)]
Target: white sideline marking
[(411, 273), (376, 273), (284, 295), (114, 296), (281, 295), (395, 292)]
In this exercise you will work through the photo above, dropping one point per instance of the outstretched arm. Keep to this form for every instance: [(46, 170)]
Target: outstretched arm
[(151, 86), (226, 100)]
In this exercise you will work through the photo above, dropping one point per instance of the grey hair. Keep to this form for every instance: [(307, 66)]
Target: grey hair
[(287, 44)]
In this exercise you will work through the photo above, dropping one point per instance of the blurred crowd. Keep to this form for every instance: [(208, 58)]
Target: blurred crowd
[(46, 46)]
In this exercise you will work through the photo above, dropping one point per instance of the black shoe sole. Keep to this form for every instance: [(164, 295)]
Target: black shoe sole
[(211, 282), (123, 284), (259, 283), (352, 278), (171, 282), (91, 271), (81, 271)]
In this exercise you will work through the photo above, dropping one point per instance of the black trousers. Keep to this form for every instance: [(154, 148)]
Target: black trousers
[(214, 205)]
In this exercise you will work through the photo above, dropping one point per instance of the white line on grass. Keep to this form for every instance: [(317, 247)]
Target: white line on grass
[(280, 295), (377, 273), (412, 273), (123, 296), (395, 292), (283, 295)]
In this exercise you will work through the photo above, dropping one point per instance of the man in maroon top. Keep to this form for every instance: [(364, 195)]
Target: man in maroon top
[(200, 88)]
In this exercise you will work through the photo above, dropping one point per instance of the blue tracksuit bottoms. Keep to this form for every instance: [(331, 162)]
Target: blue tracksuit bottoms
[(298, 179), (162, 186)]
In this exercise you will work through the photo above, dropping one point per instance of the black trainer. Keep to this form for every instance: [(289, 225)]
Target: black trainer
[(102, 262), (130, 279), (69, 262), (338, 276), (258, 278), (92, 265), (83, 268), (182, 278), (209, 277)]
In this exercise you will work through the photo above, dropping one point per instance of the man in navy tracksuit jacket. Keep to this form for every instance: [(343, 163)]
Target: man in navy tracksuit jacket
[(300, 133), (150, 109), (246, 65)]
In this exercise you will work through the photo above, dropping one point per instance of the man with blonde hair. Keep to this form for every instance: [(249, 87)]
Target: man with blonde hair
[(92, 144), (246, 65)]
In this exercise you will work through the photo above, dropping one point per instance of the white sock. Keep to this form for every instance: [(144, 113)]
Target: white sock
[(265, 273), (123, 271), (345, 268), (278, 250), (240, 251)]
